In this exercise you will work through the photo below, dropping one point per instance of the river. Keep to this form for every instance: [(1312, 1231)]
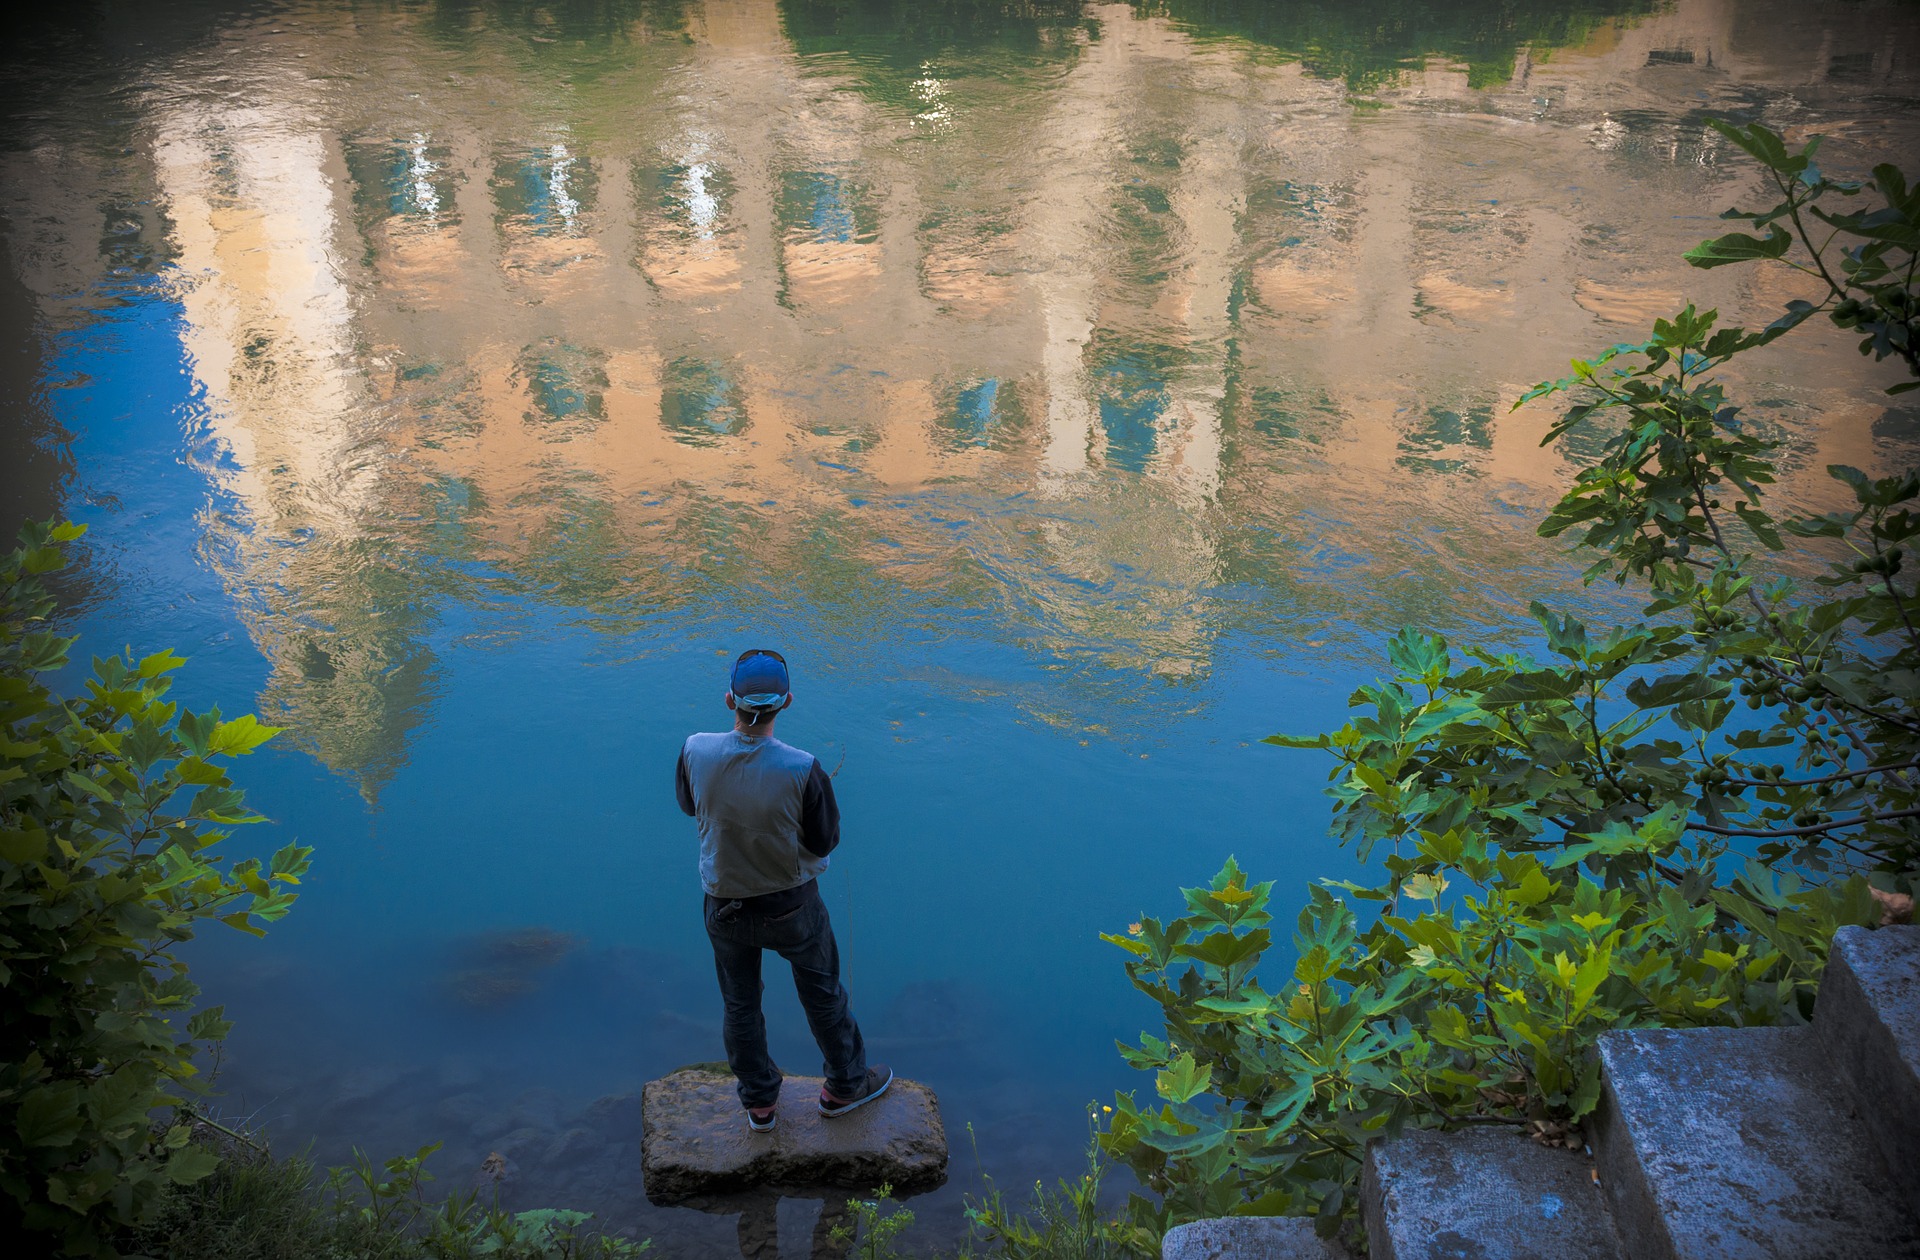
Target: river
[(1075, 393)]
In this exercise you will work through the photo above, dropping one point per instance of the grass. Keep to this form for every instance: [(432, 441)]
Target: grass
[(253, 1208), (259, 1207), (256, 1206)]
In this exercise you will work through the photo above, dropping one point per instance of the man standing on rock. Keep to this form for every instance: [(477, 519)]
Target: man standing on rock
[(768, 820)]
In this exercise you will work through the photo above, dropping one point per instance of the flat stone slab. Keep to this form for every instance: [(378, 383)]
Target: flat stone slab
[(1485, 1193), (694, 1139), (1250, 1238)]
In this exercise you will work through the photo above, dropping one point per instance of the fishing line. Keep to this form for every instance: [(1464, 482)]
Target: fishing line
[(846, 900)]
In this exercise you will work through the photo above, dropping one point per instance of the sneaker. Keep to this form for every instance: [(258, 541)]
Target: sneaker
[(878, 1078), (760, 1119)]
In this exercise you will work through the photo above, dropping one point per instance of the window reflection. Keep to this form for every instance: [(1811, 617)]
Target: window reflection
[(700, 403), (409, 178), (692, 200), (1131, 390), (564, 383), (823, 207), (830, 230), (972, 412), (544, 190), (1445, 441), (688, 227)]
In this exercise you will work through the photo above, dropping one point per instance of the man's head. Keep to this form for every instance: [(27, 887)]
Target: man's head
[(758, 689)]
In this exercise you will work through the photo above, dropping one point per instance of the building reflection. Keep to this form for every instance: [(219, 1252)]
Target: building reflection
[(270, 338), (1125, 332)]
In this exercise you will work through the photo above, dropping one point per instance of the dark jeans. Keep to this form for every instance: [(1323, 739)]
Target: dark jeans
[(804, 938)]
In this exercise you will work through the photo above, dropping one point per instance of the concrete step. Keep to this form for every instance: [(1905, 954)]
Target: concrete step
[(1868, 1021), (1250, 1238), (1741, 1144), (1485, 1193)]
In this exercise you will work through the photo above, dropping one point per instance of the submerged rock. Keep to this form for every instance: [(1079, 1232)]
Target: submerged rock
[(573, 1147), (493, 969), (695, 1140), (465, 1111), (524, 947), (936, 1019), (523, 1143), (459, 1073), (495, 1170), (368, 1084), (538, 1108), (618, 1115), (480, 988)]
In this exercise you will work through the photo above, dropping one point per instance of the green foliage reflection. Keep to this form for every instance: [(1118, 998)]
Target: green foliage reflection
[(1370, 42), (1366, 44)]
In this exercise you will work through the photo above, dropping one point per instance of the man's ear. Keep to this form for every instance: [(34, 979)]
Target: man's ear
[(729, 699), (788, 704)]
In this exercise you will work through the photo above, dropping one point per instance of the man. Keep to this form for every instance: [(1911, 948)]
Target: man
[(768, 820)]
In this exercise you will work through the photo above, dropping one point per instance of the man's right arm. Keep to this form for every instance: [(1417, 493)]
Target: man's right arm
[(682, 785)]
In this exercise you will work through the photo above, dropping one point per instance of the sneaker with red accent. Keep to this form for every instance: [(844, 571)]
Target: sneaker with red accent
[(878, 1078), (760, 1119)]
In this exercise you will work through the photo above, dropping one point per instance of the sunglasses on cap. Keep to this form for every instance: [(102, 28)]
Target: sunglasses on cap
[(759, 699)]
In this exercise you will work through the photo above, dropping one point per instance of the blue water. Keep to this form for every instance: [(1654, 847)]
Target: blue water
[(483, 511)]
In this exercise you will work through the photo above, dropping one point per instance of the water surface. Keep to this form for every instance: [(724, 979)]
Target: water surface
[(1074, 393)]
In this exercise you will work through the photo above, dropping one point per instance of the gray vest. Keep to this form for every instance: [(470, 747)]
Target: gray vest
[(747, 794)]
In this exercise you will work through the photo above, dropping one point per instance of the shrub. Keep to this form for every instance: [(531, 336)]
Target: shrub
[(1599, 839), (113, 805), (112, 808)]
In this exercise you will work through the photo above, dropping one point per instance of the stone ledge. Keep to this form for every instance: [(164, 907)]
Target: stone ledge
[(694, 1139), (1868, 1024)]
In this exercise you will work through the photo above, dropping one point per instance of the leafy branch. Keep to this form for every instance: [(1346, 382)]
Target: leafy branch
[(113, 805)]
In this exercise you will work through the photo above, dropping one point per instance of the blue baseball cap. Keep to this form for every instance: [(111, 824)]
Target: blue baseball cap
[(759, 679)]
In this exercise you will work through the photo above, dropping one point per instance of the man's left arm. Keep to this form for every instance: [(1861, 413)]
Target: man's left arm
[(819, 814)]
